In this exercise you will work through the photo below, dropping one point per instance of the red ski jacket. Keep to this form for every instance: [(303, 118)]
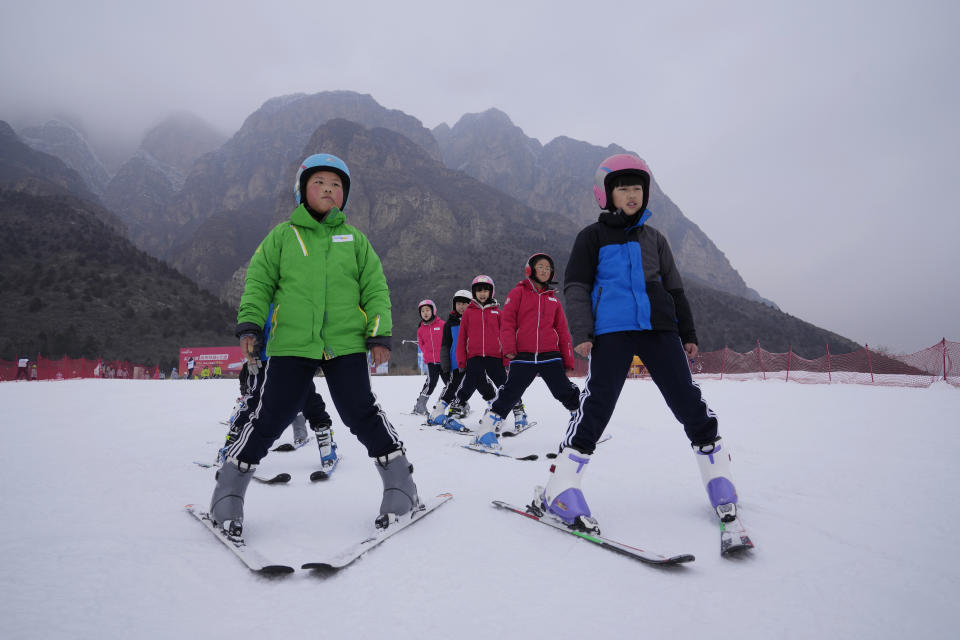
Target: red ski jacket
[(479, 332), (533, 324), (429, 337)]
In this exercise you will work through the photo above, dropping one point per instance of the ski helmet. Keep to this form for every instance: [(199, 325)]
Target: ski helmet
[(427, 303), (321, 162), (462, 294), (617, 166), (481, 281), (528, 269)]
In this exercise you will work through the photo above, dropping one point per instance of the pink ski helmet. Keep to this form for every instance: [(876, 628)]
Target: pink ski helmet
[(481, 281), (618, 166), (427, 303)]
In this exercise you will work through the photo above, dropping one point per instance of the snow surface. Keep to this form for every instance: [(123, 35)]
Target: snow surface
[(845, 489)]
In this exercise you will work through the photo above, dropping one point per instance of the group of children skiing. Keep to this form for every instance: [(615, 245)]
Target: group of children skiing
[(318, 285)]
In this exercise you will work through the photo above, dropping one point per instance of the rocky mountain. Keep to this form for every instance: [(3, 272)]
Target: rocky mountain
[(146, 184), (26, 170), (62, 140), (74, 285), (558, 177), (244, 175), (179, 140)]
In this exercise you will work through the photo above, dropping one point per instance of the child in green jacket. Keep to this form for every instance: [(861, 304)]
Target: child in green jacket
[(330, 305)]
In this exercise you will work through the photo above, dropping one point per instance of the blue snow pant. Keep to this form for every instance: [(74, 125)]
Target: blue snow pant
[(284, 390), (522, 374), (666, 361), (433, 373)]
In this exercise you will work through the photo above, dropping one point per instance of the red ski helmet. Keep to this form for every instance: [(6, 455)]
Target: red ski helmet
[(615, 167)]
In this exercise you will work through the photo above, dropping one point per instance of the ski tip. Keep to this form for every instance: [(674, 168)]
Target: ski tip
[(687, 557), (275, 570)]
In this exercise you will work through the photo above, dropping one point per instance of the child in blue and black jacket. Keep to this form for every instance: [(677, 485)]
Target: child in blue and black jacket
[(624, 296)]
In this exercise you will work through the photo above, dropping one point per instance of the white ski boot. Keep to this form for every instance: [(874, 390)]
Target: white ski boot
[(562, 497), (489, 433), (399, 491), (714, 463), (328, 449), (519, 417), (439, 413)]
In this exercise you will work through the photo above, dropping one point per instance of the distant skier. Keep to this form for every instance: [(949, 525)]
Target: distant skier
[(536, 340), (331, 304), (479, 353), (22, 371), (624, 297), (429, 340), (448, 359)]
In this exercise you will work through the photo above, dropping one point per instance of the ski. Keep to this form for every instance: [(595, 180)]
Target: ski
[(482, 449), (254, 560), (642, 555), (734, 538), (288, 446), (280, 478), (518, 430), (553, 455), (324, 474), (348, 555)]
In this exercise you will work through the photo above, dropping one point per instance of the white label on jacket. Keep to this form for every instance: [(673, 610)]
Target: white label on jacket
[(346, 238)]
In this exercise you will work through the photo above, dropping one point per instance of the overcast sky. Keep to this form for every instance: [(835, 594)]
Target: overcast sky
[(816, 143)]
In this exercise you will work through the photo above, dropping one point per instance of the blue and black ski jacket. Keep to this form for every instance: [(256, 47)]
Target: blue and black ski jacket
[(621, 277)]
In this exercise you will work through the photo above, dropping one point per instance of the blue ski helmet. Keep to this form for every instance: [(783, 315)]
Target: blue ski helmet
[(321, 162)]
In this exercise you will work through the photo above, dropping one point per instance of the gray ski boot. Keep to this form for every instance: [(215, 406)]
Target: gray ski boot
[(226, 505), (399, 491), (299, 430), (421, 407)]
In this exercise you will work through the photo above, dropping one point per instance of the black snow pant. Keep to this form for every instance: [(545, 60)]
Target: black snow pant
[(666, 361), (478, 369), (314, 409), (450, 391), (285, 389), (434, 372), (522, 374)]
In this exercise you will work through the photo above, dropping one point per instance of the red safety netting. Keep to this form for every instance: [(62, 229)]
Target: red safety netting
[(920, 369), (41, 368)]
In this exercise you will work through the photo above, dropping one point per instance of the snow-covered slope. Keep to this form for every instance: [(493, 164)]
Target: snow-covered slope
[(845, 489)]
